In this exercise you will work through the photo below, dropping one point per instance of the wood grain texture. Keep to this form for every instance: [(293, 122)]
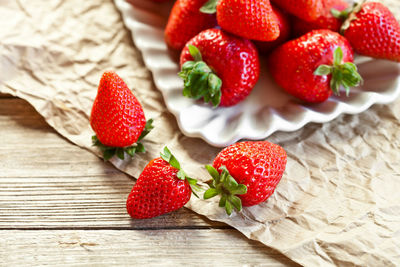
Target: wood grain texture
[(46, 182), (135, 248), (61, 205)]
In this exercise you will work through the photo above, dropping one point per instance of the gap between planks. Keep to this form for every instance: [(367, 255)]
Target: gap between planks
[(145, 228), (128, 248)]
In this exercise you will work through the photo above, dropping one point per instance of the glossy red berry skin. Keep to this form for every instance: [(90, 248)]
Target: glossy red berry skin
[(293, 64), (248, 18), (234, 60), (308, 10), (185, 21), (375, 32), (117, 117), (157, 191), (325, 21), (284, 29), (258, 165)]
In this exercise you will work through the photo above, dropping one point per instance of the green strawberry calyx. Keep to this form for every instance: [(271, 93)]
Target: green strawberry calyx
[(347, 15), (109, 151), (343, 74), (170, 158), (342, 15), (199, 79), (225, 185), (210, 7)]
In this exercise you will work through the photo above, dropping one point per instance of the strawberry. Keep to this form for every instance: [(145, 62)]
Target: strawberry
[(373, 31), (162, 187), (246, 173), (117, 118), (325, 21), (219, 67), (314, 65), (185, 21), (246, 18), (284, 29), (308, 10)]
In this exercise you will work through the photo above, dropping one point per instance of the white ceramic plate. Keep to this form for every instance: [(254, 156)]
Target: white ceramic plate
[(268, 109)]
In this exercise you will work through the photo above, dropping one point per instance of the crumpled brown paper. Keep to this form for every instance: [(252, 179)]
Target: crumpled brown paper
[(338, 201)]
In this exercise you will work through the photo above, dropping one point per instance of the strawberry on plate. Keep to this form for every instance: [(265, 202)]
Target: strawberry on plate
[(162, 187), (246, 18), (117, 118), (329, 19), (284, 29), (219, 67), (372, 30), (185, 21), (308, 10), (315, 65), (246, 174)]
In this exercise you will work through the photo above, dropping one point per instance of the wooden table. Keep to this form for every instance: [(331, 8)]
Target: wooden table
[(60, 204)]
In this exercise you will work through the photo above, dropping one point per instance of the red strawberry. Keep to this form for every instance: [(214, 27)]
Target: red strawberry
[(373, 31), (325, 21), (314, 65), (185, 21), (251, 170), (284, 29), (162, 187), (246, 18), (219, 67), (308, 10), (117, 118)]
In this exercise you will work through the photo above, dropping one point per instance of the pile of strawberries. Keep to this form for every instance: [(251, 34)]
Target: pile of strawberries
[(219, 42), (308, 45)]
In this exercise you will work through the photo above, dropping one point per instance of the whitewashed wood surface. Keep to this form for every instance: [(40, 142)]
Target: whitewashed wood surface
[(61, 205)]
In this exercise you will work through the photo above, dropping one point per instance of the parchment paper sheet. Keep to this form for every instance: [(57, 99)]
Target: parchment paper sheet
[(338, 202)]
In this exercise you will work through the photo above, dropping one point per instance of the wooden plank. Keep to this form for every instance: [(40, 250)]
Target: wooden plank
[(135, 248), (46, 182)]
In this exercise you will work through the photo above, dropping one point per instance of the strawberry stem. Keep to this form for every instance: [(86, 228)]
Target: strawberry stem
[(225, 185), (343, 74), (147, 129), (109, 151), (199, 79), (348, 15), (341, 15), (170, 158), (210, 7)]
